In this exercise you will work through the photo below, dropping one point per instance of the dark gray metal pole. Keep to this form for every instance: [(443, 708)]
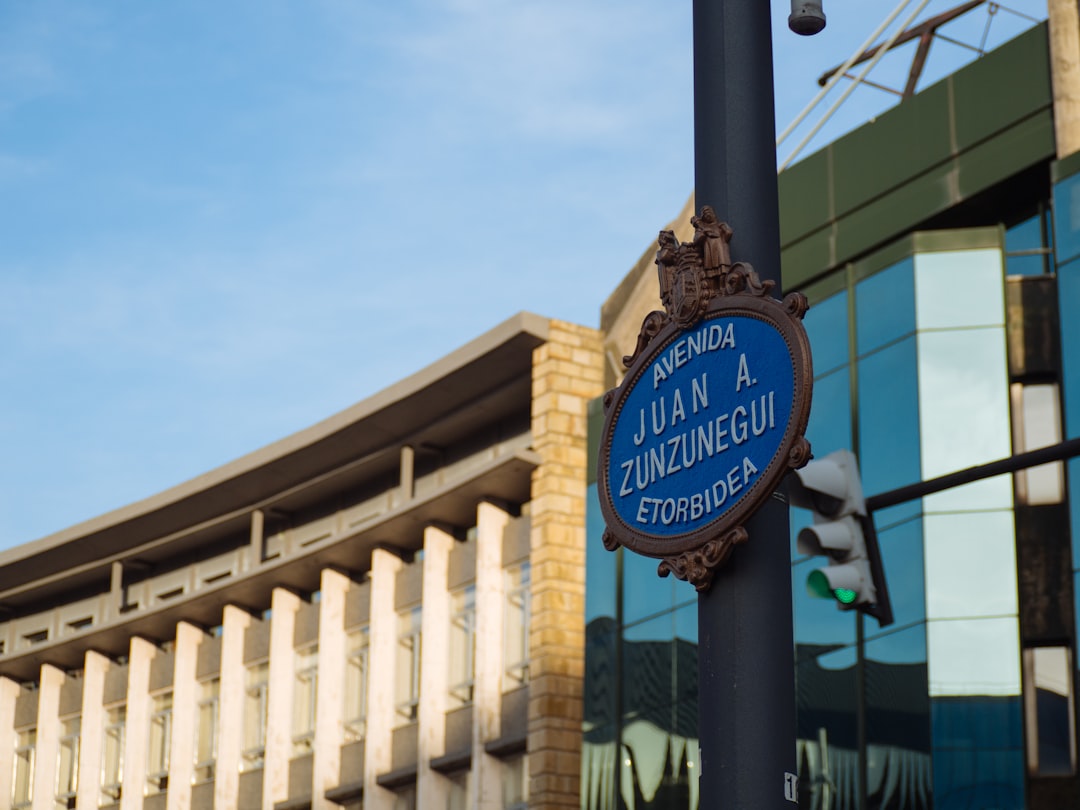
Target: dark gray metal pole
[(746, 653)]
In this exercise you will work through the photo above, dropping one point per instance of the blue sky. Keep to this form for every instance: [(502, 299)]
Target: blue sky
[(223, 222)]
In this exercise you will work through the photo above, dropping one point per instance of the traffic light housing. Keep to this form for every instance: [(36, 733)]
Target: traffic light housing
[(844, 533)]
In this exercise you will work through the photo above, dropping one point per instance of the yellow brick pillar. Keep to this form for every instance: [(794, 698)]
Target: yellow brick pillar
[(567, 373)]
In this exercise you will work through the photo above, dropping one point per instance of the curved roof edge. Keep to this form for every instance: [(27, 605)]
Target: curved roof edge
[(519, 333)]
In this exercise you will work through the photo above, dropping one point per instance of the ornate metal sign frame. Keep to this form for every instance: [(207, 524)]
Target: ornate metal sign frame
[(698, 281)]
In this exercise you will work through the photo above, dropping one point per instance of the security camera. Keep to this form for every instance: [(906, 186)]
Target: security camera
[(806, 17)]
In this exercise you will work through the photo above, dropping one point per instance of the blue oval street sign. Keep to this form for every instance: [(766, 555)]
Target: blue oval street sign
[(711, 414)]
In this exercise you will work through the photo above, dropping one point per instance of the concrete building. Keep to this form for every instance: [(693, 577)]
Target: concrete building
[(381, 611), (939, 246)]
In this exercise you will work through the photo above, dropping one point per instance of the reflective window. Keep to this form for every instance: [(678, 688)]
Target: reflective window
[(974, 656), (826, 325), (959, 288), (829, 428), (515, 783), (644, 593), (599, 562), (1027, 247), (963, 401), (1037, 415), (884, 307), (901, 548), (889, 424), (1049, 716), (1067, 219), (970, 564)]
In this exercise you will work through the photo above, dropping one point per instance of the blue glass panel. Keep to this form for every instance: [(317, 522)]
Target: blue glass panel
[(898, 706), (644, 593), (889, 423), (1068, 296), (827, 326), (1027, 236), (902, 558), (818, 622), (599, 562), (830, 413), (978, 752), (885, 307), (825, 696), (1067, 218)]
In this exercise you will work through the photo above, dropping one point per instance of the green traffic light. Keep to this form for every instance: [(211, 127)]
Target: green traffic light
[(845, 596), (817, 584)]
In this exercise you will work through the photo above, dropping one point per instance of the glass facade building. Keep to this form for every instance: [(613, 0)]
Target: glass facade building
[(940, 249)]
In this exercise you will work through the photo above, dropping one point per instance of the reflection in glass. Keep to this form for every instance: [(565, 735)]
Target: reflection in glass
[(884, 307), (1049, 711), (901, 548), (960, 288), (826, 325), (1024, 246), (889, 422), (829, 428), (1037, 417), (970, 565), (1067, 219), (827, 728), (974, 656), (898, 720), (645, 594), (963, 399), (599, 562)]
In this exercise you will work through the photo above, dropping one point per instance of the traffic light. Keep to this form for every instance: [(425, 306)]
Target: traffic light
[(843, 532)]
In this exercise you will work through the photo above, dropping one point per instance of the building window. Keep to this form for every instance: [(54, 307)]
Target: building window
[(516, 628), (22, 785), (1048, 711), (1037, 424), (356, 683), (67, 762), (157, 763), (304, 693), (405, 798), (112, 763), (256, 681), (462, 645), (515, 783), (206, 729), (407, 673)]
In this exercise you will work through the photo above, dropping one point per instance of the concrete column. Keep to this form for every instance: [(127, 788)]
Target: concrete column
[(9, 691), (137, 725), (431, 786), (235, 622), (382, 649), (258, 521), (1064, 28), (491, 522), (330, 695), (92, 729), (408, 479), (48, 737), (283, 608), (185, 716)]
